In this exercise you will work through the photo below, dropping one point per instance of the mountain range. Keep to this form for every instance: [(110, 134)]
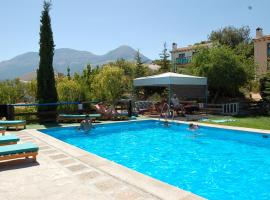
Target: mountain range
[(24, 66)]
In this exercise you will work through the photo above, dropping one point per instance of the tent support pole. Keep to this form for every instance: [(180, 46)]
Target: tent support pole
[(169, 103), (206, 95)]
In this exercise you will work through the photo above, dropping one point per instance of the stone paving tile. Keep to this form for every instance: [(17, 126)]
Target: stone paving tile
[(58, 156), (108, 184), (49, 152), (66, 162), (76, 168), (44, 147), (129, 194), (25, 137), (86, 176)]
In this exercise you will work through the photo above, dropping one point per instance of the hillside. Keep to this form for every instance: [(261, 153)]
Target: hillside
[(25, 65)]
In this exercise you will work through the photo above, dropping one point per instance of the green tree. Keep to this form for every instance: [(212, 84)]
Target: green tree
[(128, 67), (46, 90), (31, 88), (85, 80), (68, 90), (265, 92), (265, 87), (231, 36), (68, 72), (12, 91), (164, 62), (109, 84), (226, 72), (140, 69)]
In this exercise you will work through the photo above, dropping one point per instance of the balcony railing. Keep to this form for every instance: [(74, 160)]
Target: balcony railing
[(183, 61)]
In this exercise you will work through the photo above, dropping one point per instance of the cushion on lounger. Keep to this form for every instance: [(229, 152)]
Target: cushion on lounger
[(79, 116), (71, 116), (2, 128), (8, 138), (12, 122), (18, 148)]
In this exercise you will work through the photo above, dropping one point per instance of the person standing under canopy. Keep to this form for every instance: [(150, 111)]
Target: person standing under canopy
[(176, 104)]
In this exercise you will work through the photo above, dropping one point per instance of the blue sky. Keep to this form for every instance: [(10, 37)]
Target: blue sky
[(102, 25)]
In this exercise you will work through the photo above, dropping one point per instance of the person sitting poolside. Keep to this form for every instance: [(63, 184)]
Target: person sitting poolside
[(192, 126), (176, 104), (86, 124), (103, 109)]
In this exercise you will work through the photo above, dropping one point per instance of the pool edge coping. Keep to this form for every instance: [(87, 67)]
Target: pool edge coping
[(237, 128), (155, 187)]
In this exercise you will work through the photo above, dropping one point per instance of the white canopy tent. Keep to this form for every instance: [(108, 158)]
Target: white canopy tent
[(170, 78), (175, 82)]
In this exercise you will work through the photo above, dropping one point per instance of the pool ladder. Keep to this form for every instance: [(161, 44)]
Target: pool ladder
[(166, 109)]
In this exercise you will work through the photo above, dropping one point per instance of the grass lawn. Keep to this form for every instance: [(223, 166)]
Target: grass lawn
[(258, 122)]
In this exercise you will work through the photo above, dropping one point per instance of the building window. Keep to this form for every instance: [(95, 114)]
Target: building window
[(268, 50), (181, 55)]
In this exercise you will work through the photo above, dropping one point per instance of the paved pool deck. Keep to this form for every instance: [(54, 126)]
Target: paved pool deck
[(63, 171)]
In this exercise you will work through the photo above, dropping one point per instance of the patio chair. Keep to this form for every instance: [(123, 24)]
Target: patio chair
[(143, 106), (15, 151), (8, 139), (13, 123)]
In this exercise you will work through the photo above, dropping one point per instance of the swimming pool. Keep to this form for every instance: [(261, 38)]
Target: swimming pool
[(211, 162)]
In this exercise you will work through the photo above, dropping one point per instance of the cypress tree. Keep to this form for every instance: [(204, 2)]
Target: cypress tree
[(164, 62), (68, 73), (139, 68), (46, 90)]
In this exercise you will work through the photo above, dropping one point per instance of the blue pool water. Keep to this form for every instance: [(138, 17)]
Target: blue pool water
[(211, 162)]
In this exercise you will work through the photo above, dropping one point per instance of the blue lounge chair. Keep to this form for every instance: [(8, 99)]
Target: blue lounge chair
[(13, 123), (15, 151), (8, 139)]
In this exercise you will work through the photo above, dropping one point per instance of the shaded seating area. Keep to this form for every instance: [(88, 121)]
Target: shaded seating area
[(8, 140), (143, 106), (16, 151), (184, 87), (17, 124)]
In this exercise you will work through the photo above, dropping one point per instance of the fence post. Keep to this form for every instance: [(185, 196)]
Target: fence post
[(10, 112)]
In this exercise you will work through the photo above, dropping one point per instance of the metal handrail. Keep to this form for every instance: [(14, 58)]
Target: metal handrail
[(168, 112)]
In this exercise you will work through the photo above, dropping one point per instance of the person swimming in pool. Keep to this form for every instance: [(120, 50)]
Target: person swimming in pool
[(192, 126), (86, 124)]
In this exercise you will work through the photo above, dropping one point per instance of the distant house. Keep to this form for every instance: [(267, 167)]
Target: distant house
[(181, 57), (153, 66), (262, 52)]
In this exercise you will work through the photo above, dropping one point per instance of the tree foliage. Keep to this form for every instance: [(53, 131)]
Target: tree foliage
[(226, 71), (231, 36), (85, 80), (265, 87), (140, 69), (12, 91), (265, 93), (109, 84), (164, 62), (68, 90)]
